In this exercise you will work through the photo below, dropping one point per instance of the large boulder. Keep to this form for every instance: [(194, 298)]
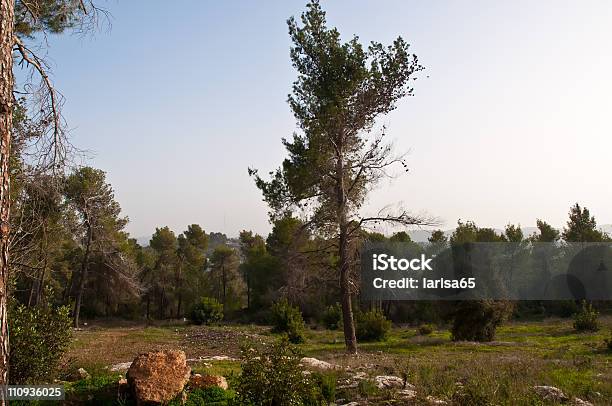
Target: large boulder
[(158, 376)]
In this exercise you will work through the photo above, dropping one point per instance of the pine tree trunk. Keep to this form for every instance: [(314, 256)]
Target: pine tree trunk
[(248, 281), (345, 287), (148, 307), (84, 269), (224, 281), (350, 339), (179, 289), (7, 9)]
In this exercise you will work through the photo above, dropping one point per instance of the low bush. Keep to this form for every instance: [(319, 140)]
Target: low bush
[(273, 376), (207, 311), (586, 318), (326, 383), (332, 317), (206, 396), (477, 320), (372, 326), (425, 329), (39, 337), (367, 388), (102, 386), (288, 319)]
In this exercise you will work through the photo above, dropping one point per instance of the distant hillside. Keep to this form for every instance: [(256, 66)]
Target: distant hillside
[(416, 235), (214, 240), (423, 235)]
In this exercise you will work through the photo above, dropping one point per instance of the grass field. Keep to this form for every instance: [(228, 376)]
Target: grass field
[(501, 372)]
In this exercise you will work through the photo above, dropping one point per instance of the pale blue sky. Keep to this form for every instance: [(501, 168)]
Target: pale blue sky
[(514, 122)]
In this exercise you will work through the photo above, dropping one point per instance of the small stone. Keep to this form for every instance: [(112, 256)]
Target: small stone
[(122, 388), (407, 394), (579, 402), (122, 366), (389, 381), (550, 393), (82, 374), (206, 381), (436, 401), (318, 364)]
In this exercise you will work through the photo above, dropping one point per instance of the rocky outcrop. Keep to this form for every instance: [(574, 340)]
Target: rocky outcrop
[(318, 364), (158, 377)]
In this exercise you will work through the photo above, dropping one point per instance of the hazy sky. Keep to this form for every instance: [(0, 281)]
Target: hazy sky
[(514, 122)]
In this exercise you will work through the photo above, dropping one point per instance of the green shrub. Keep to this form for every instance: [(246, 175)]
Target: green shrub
[(39, 337), (586, 318), (372, 326), (425, 329), (211, 396), (288, 319), (326, 383), (471, 394), (477, 320), (332, 317), (101, 386), (207, 311), (273, 376), (367, 388)]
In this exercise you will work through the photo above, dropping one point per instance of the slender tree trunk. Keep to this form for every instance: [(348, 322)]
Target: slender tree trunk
[(40, 287), (7, 9), (33, 288), (148, 306), (68, 288), (162, 296), (248, 281), (41, 282), (178, 305), (350, 339), (179, 289), (224, 283), (84, 269)]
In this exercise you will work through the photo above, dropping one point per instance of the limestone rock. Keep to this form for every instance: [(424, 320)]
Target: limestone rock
[(318, 364), (82, 374), (205, 381), (158, 376), (550, 393), (579, 402), (389, 381), (407, 394), (435, 401)]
